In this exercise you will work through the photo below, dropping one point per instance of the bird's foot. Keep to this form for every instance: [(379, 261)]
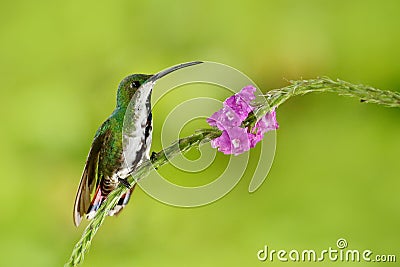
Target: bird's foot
[(153, 156), (124, 182)]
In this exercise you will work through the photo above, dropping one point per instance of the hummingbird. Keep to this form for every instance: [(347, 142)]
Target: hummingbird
[(119, 147)]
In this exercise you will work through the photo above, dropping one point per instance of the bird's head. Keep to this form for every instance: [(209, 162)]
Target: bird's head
[(128, 87)]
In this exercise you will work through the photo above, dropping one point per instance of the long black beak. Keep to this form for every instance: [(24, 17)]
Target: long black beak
[(172, 69)]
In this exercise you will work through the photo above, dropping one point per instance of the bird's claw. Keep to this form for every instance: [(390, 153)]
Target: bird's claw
[(124, 182), (153, 156)]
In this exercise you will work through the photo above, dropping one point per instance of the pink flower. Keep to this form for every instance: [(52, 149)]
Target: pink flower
[(247, 93), (265, 124), (234, 139), (240, 102), (223, 118), (268, 122)]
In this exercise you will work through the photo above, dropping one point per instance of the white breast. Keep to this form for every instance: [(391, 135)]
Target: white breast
[(135, 146)]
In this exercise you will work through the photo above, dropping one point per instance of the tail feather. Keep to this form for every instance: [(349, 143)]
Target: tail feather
[(122, 202), (99, 198)]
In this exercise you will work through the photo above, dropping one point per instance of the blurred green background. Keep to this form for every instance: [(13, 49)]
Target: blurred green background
[(336, 169)]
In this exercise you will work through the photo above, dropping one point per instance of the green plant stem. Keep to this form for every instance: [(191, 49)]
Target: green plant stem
[(367, 94), (274, 98)]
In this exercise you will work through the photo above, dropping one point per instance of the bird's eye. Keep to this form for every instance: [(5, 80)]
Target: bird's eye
[(134, 84)]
